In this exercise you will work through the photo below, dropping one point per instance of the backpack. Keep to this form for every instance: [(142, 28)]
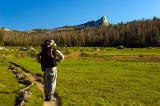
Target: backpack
[(48, 55)]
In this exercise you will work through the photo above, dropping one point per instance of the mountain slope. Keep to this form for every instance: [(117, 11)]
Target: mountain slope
[(99, 22)]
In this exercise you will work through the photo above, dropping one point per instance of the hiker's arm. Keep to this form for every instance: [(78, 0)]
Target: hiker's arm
[(38, 57), (59, 55)]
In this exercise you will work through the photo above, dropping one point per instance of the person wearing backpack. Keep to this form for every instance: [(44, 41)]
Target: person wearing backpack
[(48, 58)]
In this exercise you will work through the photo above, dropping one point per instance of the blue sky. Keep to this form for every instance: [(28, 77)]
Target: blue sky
[(29, 14)]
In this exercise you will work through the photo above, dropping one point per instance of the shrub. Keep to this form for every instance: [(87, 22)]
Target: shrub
[(32, 53), (141, 55), (83, 54), (67, 51)]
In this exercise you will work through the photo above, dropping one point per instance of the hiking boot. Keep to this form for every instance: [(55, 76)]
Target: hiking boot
[(53, 98), (47, 98)]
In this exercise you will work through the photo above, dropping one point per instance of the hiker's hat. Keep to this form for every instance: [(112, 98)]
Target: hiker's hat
[(53, 43)]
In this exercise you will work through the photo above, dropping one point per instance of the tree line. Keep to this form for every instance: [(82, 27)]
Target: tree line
[(140, 33)]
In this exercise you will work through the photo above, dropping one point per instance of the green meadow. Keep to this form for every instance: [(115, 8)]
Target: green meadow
[(8, 87), (102, 76)]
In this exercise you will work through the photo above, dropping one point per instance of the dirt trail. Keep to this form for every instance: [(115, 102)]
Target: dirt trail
[(39, 85)]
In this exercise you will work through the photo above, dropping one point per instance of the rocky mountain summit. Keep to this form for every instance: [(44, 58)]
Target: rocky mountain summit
[(99, 22)]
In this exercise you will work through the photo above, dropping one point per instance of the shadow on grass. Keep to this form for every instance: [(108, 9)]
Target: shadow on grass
[(59, 103), (17, 101), (4, 92)]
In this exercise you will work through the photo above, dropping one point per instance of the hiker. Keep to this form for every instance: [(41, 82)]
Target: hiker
[(48, 58)]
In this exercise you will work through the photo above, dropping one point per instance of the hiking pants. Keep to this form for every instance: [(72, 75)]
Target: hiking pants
[(50, 81)]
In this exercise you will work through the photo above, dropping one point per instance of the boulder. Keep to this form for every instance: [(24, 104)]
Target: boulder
[(149, 47), (23, 49), (3, 48), (31, 48), (120, 47)]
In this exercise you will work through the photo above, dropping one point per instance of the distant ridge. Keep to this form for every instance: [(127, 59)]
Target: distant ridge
[(99, 22), (5, 29)]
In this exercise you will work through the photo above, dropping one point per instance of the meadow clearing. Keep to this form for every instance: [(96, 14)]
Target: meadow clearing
[(10, 88), (101, 76), (7, 91)]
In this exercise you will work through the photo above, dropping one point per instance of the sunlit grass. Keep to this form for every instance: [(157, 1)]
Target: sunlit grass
[(9, 87), (102, 83), (92, 80)]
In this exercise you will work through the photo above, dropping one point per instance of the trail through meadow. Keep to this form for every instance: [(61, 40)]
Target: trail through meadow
[(40, 85)]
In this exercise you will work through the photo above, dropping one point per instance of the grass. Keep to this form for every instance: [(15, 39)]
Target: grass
[(135, 52), (108, 83), (36, 98), (105, 76), (9, 87), (29, 64)]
